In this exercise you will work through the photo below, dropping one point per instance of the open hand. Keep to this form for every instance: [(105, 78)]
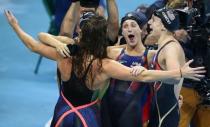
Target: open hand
[(11, 18), (192, 73), (63, 49)]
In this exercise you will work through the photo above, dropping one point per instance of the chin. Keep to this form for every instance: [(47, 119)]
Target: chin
[(132, 44)]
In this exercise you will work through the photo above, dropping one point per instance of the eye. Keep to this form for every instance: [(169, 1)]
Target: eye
[(125, 25), (133, 24)]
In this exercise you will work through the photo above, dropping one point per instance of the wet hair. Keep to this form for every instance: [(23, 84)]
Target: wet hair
[(92, 44)]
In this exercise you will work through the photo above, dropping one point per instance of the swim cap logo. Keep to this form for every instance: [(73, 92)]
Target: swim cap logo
[(170, 15), (130, 15), (166, 18)]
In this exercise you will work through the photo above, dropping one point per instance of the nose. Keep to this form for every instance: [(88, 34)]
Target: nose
[(149, 22), (129, 29)]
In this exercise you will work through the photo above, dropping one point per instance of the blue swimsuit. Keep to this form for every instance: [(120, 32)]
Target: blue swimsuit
[(126, 103), (74, 107), (165, 108)]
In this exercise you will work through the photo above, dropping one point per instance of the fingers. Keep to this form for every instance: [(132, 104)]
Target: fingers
[(180, 97), (200, 71), (137, 70), (199, 76), (198, 68), (62, 53), (67, 49), (189, 62), (66, 53), (194, 78), (135, 73), (6, 13), (132, 69)]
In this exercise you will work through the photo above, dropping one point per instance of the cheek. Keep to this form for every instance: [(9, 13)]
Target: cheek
[(124, 32), (137, 30)]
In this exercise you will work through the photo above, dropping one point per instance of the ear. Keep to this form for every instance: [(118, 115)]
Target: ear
[(140, 30)]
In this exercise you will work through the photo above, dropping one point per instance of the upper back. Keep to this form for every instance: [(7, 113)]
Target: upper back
[(97, 73)]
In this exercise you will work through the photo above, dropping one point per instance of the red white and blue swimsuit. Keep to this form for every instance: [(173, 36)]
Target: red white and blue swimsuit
[(165, 109), (126, 103)]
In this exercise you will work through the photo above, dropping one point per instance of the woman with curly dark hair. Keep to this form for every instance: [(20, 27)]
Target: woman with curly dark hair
[(90, 70)]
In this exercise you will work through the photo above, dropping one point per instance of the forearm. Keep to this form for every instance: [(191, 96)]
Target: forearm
[(48, 39), (158, 75), (27, 40), (70, 20), (34, 45), (113, 19)]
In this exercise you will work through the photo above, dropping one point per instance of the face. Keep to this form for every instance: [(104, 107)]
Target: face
[(131, 32), (156, 27)]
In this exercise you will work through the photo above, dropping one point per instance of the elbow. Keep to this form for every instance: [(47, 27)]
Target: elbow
[(33, 49), (41, 36)]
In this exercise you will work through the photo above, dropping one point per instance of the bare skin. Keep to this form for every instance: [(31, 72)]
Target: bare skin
[(171, 56), (110, 68), (72, 17)]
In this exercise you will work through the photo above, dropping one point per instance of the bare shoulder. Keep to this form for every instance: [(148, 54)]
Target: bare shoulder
[(114, 51), (174, 47), (100, 73), (174, 51)]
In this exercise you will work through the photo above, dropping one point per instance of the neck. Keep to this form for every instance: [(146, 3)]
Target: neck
[(164, 38), (136, 50)]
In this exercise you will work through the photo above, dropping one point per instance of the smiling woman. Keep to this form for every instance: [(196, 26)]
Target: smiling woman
[(90, 70)]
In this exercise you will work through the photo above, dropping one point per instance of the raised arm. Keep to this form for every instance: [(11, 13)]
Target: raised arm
[(113, 20), (70, 20), (58, 42), (116, 70), (29, 41)]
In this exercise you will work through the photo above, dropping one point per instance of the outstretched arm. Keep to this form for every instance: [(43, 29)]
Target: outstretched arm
[(116, 70), (58, 42), (29, 41)]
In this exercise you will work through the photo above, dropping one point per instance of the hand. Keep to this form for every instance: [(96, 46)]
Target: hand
[(192, 73), (11, 18), (137, 70), (180, 101), (62, 49), (182, 35)]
